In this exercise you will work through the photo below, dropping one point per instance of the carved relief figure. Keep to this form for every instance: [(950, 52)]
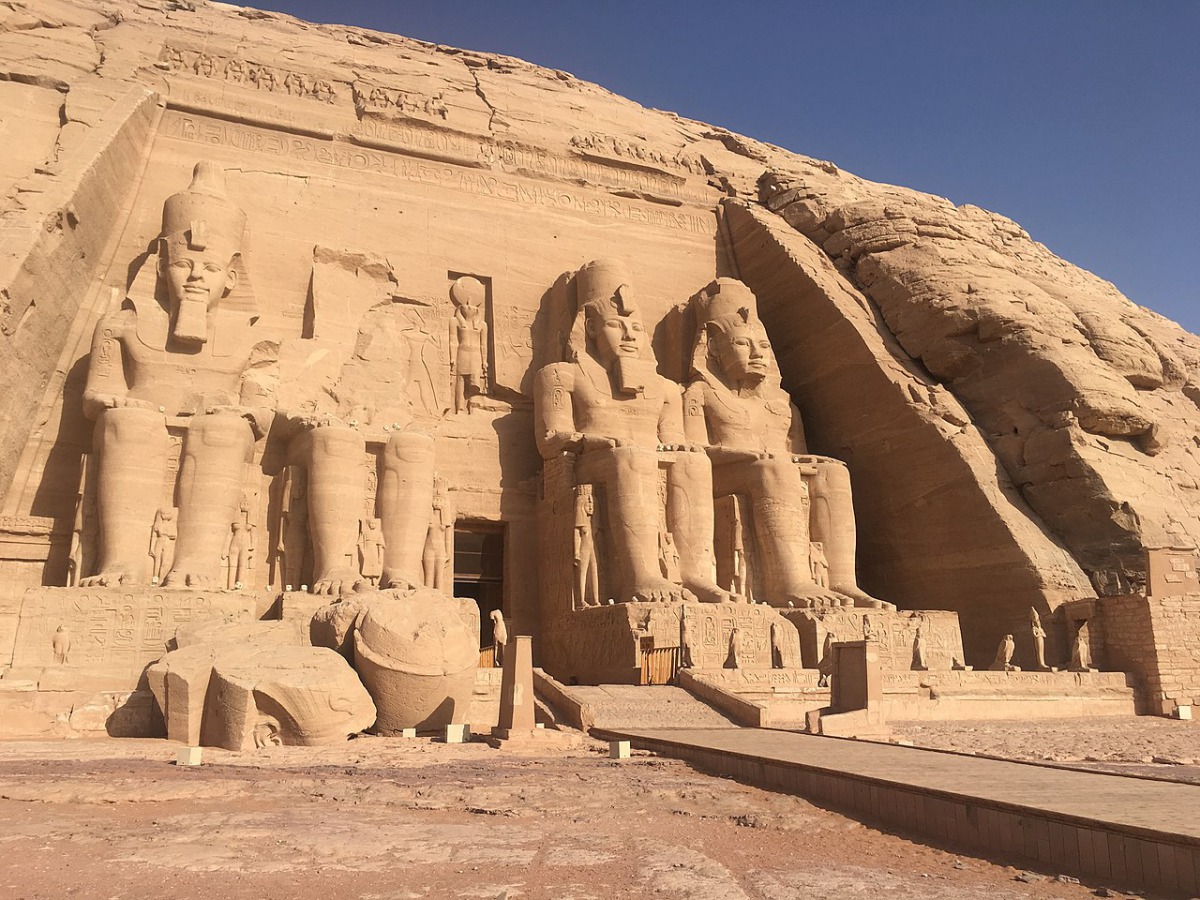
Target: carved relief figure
[(820, 565), (370, 550), (239, 555), (736, 407), (587, 573), (734, 660), (61, 645), (162, 543), (437, 560), (688, 642), (468, 341), (180, 348), (621, 420), (920, 659)]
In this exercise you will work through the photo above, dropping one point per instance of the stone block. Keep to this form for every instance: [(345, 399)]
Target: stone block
[(457, 733), (189, 756), (618, 749)]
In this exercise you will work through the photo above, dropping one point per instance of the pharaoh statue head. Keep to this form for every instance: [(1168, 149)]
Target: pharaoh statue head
[(731, 342), (199, 244), (608, 322)]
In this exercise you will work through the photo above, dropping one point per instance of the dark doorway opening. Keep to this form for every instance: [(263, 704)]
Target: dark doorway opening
[(479, 571)]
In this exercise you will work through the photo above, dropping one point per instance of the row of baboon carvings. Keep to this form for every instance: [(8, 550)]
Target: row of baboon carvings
[(703, 491)]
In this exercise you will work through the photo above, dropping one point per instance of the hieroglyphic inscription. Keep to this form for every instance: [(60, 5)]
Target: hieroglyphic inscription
[(336, 154), (115, 627)]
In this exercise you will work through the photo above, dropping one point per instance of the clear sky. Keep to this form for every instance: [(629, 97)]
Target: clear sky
[(1080, 119)]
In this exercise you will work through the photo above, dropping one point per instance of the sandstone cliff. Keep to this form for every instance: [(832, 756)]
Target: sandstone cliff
[(1017, 430)]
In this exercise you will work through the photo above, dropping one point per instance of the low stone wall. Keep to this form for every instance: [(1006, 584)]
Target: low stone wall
[(1157, 639)]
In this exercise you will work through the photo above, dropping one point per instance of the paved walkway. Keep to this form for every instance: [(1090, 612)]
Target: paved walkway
[(624, 706), (1106, 800)]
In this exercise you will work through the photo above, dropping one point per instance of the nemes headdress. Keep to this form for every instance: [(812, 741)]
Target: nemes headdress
[(726, 303), (602, 288), (203, 216)]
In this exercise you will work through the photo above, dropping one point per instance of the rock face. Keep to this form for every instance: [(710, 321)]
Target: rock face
[(1016, 432)]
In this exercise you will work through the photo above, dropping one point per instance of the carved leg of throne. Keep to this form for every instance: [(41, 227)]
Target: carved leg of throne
[(210, 485), (405, 502), (333, 456), (131, 448)]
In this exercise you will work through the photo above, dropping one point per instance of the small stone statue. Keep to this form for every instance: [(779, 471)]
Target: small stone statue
[(468, 341), (820, 565), (61, 645), (499, 636), (687, 642), (919, 658), (1039, 641), (587, 574), (1004, 655), (370, 550), (437, 558), (162, 543), (1081, 651), (783, 646), (668, 556), (735, 649), (825, 666), (240, 555)]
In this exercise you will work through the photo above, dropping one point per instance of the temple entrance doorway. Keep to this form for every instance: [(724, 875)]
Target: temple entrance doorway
[(479, 570)]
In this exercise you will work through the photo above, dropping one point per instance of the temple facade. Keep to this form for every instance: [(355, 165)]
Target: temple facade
[(431, 341)]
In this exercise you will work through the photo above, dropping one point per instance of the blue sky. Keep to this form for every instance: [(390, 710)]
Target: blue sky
[(1080, 120)]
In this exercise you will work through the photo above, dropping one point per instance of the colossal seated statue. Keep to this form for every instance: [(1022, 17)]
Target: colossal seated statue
[(362, 423), (621, 422), (176, 357), (798, 506)]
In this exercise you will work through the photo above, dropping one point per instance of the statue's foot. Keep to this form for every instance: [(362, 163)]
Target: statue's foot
[(112, 578), (394, 581), (709, 592), (861, 599), (180, 577), (812, 596), (659, 590), (335, 582)]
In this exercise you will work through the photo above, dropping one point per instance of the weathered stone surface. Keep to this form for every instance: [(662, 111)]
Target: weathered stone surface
[(250, 685), (1016, 432), (416, 651)]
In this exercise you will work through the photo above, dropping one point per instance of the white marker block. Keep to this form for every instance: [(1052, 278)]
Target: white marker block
[(458, 734), (1184, 713), (408, 732), (618, 749), (188, 756), (540, 725)]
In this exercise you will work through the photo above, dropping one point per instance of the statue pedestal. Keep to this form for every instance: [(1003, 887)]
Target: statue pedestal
[(895, 632), (643, 643)]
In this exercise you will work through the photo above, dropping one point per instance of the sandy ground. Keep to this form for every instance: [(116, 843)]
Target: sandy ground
[(1141, 745), (377, 819)]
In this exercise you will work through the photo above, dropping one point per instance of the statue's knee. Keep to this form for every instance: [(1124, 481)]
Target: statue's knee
[(129, 425), (410, 447), (217, 431), (338, 442)]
